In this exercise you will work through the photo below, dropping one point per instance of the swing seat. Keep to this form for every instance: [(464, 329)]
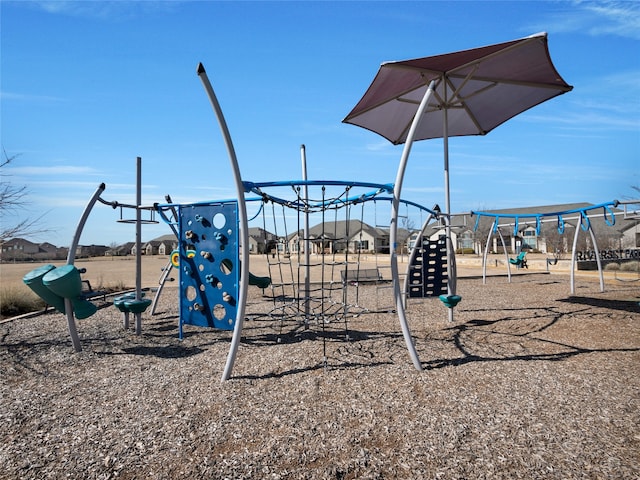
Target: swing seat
[(520, 260), (450, 301), (261, 282)]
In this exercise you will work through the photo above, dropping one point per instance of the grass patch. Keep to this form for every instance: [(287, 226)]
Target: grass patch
[(632, 266), (17, 301)]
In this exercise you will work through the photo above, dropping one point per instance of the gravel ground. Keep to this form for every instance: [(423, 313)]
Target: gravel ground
[(526, 382)]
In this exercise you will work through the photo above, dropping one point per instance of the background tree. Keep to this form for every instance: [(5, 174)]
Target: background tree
[(13, 198)]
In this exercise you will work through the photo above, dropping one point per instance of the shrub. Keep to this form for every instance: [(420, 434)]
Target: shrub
[(16, 301), (632, 266)]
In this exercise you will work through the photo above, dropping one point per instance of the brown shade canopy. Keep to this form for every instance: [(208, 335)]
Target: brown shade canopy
[(480, 88)]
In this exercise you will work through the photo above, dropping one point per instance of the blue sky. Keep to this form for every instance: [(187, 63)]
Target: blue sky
[(86, 87)]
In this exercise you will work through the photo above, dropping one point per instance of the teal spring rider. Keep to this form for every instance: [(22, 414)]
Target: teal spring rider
[(53, 285), (65, 282)]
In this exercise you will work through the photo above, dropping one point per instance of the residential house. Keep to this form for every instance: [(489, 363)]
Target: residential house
[(48, 251), (351, 236), (84, 251), (121, 250), (18, 249), (630, 234), (261, 241)]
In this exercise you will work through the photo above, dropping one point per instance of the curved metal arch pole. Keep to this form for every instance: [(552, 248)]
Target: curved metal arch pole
[(598, 261), (413, 255), (506, 255), (486, 253), (572, 277), (71, 257), (244, 224), (393, 231)]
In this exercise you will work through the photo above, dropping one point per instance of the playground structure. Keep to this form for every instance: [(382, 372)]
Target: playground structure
[(61, 287), (213, 256), (579, 219)]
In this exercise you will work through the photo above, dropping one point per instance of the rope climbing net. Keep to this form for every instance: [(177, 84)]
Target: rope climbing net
[(320, 242)]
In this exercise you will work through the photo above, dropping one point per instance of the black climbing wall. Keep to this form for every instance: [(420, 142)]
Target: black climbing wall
[(428, 270)]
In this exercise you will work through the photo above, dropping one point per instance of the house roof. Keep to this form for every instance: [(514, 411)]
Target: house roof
[(260, 234), (170, 237), (18, 241)]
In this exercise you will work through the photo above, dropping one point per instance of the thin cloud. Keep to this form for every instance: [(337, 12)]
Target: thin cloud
[(614, 18), (55, 170), (24, 97), (595, 18), (105, 9)]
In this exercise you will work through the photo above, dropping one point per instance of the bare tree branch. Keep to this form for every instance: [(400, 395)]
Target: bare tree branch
[(13, 198)]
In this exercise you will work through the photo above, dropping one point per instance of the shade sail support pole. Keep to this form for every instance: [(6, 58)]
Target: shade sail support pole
[(393, 231), (242, 218), (451, 287)]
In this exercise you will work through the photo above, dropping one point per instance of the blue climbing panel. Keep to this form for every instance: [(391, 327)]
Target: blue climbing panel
[(209, 264)]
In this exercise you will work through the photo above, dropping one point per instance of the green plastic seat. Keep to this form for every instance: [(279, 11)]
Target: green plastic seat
[(137, 306), (450, 301)]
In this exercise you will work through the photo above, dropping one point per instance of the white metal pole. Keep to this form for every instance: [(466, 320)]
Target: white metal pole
[(138, 242), (447, 202), (393, 230), (307, 258)]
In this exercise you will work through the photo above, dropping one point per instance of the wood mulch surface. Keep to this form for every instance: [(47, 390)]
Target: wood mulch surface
[(526, 382)]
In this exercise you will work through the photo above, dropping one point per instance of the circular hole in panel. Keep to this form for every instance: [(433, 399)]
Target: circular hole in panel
[(190, 293), (201, 267), (226, 266), (219, 220), (219, 312)]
